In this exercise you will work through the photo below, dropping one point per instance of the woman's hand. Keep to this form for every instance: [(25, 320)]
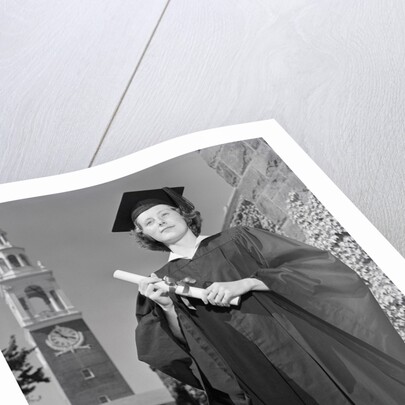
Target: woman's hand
[(148, 288), (221, 293)]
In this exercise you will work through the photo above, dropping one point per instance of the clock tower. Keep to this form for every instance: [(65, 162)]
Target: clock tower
[(65, 344)]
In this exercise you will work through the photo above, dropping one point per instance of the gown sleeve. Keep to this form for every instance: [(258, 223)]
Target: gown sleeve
[(158, 347), (321, 284)]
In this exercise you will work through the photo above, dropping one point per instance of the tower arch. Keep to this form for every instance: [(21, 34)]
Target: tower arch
[(64, 341), (14, 262)]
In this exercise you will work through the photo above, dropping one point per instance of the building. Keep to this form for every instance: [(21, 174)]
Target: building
[(66, 346)]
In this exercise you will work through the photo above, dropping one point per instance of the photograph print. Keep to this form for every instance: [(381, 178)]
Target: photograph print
[(292, 310)]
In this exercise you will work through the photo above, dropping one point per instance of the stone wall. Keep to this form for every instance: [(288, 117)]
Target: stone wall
[(263, 182), (259, 176)]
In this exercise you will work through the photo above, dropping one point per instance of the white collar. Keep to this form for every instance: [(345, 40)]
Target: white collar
[(174, 256)]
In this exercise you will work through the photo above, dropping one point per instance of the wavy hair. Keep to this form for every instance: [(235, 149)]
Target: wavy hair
[(193, 220)]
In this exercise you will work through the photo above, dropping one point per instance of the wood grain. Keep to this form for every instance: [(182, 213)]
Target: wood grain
[(63, 68), (330, 72)]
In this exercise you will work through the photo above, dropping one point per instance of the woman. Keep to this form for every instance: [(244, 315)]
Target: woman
[(307, 330)]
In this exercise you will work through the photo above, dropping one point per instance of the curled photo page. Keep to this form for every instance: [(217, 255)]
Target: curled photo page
[(261, 283)]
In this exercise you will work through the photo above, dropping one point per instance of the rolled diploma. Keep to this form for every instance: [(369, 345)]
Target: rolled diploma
[(193, 292)]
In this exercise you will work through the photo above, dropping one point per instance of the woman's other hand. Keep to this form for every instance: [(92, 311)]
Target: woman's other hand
[(221, 293), (148, 288)]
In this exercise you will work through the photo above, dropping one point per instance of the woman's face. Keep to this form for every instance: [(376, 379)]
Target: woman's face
[(162, 223)]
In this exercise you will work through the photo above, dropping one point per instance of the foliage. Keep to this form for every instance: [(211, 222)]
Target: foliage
[(324, 232), (182, 393), (246, 214), (25, 374)]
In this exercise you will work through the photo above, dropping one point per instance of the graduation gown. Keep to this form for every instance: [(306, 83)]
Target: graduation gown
[(317, 337)]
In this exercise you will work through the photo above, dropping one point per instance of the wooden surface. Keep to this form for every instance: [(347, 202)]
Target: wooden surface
[(83, 83), (64, 67)]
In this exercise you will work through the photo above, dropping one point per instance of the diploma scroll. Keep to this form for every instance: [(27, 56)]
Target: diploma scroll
[(184, 290)]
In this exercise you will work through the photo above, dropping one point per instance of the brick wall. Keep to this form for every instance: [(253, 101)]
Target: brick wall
[(67, 367), (258, 176)]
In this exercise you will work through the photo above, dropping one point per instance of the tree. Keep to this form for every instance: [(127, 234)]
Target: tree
[(182, 393), (26, 375), (323, 231)]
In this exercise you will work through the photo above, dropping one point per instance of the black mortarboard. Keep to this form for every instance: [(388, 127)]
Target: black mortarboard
[(134, 203)]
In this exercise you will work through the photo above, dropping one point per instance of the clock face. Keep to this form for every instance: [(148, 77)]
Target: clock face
[(63, 338)]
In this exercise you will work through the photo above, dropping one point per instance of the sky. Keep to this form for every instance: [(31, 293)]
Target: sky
[(70, 233)]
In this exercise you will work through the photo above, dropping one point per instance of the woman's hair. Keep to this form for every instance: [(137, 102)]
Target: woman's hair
[(193, 220)]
